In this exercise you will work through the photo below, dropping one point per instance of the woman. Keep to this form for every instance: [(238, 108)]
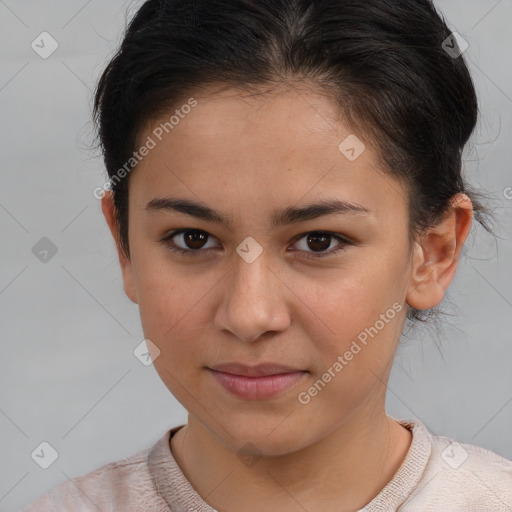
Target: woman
[(286, 191)]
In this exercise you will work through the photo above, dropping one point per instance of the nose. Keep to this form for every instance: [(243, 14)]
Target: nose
[(254, 301)]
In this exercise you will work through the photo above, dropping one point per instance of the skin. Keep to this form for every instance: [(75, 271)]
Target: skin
[(245, 156)]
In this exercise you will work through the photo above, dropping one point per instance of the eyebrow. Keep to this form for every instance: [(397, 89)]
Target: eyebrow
[(286, 216)]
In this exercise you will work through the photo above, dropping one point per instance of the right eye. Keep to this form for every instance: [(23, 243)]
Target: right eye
[(189, 238)]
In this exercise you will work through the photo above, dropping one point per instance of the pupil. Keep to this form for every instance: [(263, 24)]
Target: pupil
[(193, 237), (323, 246)]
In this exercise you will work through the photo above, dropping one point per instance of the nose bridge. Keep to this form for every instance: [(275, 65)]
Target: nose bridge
[(251, 282), (252, 267)]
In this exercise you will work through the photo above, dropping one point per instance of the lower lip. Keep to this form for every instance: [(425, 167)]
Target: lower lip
[(257, 388)]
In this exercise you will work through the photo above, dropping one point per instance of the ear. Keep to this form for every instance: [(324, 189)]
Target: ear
[(109, 211), (436, 256)]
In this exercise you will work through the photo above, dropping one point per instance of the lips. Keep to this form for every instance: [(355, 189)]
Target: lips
[(260, 370), (260, 382)]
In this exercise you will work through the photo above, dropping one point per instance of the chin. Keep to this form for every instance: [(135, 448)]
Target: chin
[(256, 436)]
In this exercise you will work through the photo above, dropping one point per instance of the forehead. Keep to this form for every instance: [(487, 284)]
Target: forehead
[(268, 117), (278, 146), (283, 117)]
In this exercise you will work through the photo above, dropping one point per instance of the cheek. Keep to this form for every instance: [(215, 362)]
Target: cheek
[(172, 303), (167, 291), (359, 317), (169, 305), (354, 300), (355, 354), (161, 295)]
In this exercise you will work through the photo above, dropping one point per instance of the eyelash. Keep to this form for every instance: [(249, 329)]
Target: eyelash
[(190, 252)]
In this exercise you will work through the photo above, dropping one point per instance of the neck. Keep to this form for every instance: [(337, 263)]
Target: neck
[(343, 471)]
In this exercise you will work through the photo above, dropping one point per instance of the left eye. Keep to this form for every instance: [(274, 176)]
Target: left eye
[(194, 241), (321, 240)]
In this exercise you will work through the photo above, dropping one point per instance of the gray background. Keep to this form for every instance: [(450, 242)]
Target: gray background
[(68, 373)]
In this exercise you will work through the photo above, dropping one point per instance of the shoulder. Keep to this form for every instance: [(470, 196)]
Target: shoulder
[(124, 484), (463, 477)]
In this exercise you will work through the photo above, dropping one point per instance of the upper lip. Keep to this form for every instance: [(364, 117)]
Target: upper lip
[(254, 371)]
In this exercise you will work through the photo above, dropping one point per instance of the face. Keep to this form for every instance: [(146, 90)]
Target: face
[(323, 294)]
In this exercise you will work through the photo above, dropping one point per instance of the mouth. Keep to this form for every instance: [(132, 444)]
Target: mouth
[(260, 382)]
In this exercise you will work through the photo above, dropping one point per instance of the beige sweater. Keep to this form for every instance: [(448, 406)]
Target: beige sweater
[(436, 476)]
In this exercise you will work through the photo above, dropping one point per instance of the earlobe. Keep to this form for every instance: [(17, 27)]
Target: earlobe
[(436, 255), (109, 212)]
